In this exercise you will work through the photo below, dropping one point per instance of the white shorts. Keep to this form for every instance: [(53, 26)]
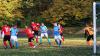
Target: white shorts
[(14, 38), (57, 37), (44, 34)]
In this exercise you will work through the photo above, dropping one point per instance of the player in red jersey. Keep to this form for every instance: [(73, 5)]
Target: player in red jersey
[(6, 31), (61, 31), (35, 27), (30, 35), (37, 31)]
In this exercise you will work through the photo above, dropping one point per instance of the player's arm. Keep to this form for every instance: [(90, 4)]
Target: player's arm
[(46, 28), (85, 32), (59, 29), (32, 32), (2, 33), (40, 29), (17, 32)]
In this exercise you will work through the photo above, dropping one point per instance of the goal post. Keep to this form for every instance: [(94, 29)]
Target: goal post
[(96, 24), (94, 27)]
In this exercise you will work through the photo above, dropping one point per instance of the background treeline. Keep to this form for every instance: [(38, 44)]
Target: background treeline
[(67, 12)]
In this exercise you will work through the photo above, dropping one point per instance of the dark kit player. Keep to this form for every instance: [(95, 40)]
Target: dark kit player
[(30, 35), (6, 31)]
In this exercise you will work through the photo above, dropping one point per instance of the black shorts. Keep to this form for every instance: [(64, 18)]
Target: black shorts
[(89, 37), (61, 34), (30, 39), (36, 33), (6, 38)]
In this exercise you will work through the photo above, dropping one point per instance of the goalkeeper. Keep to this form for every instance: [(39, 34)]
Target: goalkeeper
[(89, 34)]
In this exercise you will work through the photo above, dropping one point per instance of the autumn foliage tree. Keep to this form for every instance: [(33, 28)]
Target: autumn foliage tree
[(48, 10)]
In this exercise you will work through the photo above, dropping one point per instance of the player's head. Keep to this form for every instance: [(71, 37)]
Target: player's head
[(87, 25), (5, 23), (59, 25), (38, 24), (15, 26), (42, 24), (32, 22), (26, 26), (55, 24)]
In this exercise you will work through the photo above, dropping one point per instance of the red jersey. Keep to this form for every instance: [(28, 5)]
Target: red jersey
[(61, 29), (35, 26), (29, 32), (6, 30)]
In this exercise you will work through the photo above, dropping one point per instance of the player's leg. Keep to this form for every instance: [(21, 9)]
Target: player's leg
[(55, 37), (42, 35), (8, 38), (91, 38), (36, 39), (59, 43), (36, 34), (88, 40), (5, 41), (62, 36), (16, 42), (12, 41), (58, 40), (46, 34), (30, 42)]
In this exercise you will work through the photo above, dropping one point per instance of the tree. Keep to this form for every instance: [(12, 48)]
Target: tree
[(68, 10), (8, 8)]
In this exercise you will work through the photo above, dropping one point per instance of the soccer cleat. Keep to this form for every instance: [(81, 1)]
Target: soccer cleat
[(40, 43), (59, 46), (31, 44), (5, 47), (34, 47)]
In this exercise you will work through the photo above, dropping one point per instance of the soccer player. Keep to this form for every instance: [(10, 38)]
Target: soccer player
[(30, 35), (44, 30), (89, 34), (6, 31), (14, 33), (35, 28), (57, 36), (61, 31)]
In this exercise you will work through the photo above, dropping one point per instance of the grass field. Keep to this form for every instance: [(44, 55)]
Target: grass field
[(71, 47)]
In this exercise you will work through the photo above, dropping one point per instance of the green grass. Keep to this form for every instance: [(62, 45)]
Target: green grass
[(71, 47)]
